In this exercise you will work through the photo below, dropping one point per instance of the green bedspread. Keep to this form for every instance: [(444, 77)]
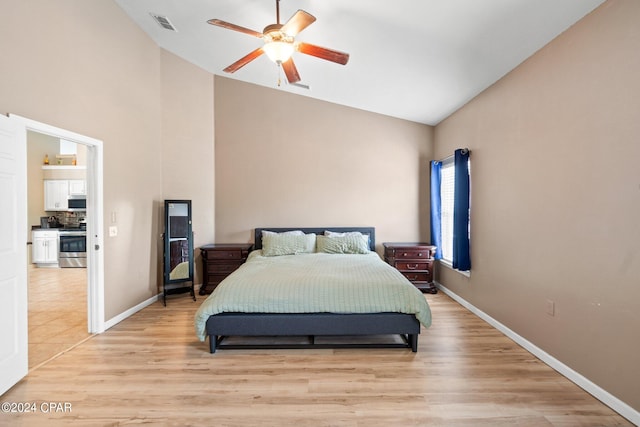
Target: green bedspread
[(314, 283)]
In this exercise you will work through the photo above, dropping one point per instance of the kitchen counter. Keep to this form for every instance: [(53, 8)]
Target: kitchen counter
[(38, 227)]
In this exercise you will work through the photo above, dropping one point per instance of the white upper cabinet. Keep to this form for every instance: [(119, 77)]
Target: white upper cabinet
[(77, 187), (56, 195)]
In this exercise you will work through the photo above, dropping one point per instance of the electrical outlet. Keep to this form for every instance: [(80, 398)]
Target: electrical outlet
[(551, 307), (113, 231)]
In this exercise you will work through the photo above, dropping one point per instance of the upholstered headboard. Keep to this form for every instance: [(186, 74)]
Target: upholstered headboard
[(370, 231)]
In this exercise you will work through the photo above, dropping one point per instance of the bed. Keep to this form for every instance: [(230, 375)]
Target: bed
[(312, 295)]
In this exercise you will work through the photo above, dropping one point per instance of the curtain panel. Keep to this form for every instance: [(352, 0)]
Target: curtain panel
[(436, 222), (461, 250)]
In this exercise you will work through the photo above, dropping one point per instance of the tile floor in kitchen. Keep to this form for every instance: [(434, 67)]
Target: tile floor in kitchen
[(57, 311)]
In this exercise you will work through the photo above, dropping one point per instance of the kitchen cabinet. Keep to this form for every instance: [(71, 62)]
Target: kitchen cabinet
[(56, 194), (44, 247), (77, 187)]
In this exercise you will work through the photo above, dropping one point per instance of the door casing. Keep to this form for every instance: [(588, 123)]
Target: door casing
[(95, 252)]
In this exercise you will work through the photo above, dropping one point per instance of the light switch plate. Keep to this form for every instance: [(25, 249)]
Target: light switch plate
[(113, 231), (551, 307)]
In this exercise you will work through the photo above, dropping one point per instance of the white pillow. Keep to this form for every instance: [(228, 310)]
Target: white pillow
[(287, 243), (330, 233), (293, 232), (347, 244)]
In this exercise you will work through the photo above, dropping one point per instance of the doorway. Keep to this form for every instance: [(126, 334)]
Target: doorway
[(94, 276), (57, 295)]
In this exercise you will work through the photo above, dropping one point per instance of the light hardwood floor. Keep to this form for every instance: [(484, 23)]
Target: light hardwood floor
[(150, 369), (57, 311)]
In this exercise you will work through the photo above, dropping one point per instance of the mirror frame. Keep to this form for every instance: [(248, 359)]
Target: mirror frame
[(167, 251)]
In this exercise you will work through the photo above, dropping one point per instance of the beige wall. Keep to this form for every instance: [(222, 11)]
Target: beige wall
[(187, 145), (287, 160), (86, 67), (556, 198)]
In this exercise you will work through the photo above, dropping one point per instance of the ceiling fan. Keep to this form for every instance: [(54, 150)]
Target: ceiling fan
[(279, 44)]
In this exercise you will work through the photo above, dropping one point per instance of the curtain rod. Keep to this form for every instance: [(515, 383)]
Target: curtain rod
[(464, 151)]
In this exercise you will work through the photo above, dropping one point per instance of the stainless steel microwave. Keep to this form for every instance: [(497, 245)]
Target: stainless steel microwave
[(77, 203)]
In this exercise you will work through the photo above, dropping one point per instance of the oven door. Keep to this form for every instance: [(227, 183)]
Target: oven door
[(73, 250)]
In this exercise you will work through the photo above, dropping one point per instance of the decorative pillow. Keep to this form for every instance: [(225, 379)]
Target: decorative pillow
[(287, 243), (348, 244), (330, 233), (293, 232)]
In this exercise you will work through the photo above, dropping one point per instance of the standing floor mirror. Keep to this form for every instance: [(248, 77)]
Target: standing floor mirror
[(178, 249)]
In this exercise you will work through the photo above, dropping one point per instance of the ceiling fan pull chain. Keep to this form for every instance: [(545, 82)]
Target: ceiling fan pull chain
[(279, 75)]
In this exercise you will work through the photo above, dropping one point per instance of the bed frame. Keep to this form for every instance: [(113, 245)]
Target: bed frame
[(222, 326)]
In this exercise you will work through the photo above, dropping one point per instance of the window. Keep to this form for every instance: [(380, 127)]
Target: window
[(447, 181), (450, 213)]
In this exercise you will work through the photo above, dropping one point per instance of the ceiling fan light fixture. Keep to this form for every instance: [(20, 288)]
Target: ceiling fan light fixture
[(278, 51), (280, 43)]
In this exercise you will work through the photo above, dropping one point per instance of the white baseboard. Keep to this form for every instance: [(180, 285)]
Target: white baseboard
[(598, 392), (133, 310)]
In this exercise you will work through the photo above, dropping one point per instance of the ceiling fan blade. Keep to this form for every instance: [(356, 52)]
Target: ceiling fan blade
[(323, 53), (291, 71), (234, 27), (298, 22), (244, 61)]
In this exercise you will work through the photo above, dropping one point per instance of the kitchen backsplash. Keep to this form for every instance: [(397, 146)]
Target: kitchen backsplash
[(70, 219)]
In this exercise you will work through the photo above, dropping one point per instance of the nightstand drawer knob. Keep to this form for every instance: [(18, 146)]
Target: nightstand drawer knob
[(412, 266)]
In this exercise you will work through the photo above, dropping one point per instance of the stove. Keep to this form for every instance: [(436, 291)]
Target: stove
[(72, 252)]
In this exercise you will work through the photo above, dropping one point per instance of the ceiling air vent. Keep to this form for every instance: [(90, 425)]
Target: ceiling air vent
[(164, 22)]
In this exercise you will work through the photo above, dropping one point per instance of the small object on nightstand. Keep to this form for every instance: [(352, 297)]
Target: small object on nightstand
[(415, 261), (219, 260)]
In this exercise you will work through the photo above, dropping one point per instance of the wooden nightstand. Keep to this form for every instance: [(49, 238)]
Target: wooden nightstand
[(219, 260), (414, 261)]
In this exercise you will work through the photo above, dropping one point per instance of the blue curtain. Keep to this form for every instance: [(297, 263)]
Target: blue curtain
[(461, 253), (436, 227)]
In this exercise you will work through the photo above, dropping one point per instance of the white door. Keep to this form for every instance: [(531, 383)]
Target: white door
[(13, 254)]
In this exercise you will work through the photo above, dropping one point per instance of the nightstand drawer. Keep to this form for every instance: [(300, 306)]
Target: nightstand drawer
[(214, 279), (417, 277), (412, 265), (222, 254), (223, 268), (412, 253)]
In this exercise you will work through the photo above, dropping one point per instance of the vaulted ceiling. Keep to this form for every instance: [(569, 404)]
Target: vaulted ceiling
[(418, 60)]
